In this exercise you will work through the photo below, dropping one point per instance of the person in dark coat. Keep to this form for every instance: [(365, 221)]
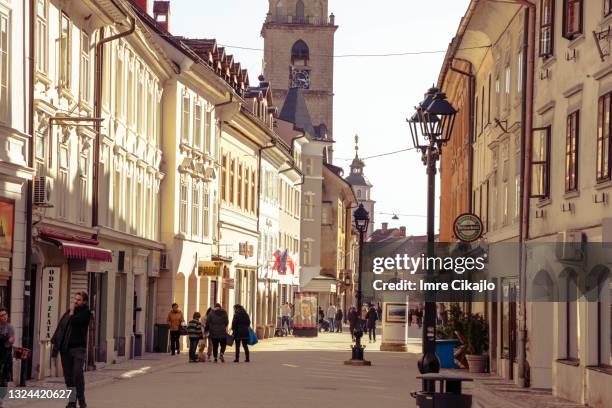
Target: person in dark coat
[(7, 339), (371, 318), (338, 320), (240, 330), (217, 322), (70, 339), (353, 320)]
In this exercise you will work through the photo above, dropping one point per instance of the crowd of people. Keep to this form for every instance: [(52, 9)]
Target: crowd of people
[(209, 335), (365, 320)]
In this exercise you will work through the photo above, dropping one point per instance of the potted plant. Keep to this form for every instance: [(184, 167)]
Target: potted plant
[(477, 342)]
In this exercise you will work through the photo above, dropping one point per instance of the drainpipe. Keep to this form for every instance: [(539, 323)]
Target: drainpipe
[(98, 77), (525, 177), (27, 340), (471, 125)]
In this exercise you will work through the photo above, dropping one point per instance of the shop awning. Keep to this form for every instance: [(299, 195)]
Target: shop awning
[(77, 247)]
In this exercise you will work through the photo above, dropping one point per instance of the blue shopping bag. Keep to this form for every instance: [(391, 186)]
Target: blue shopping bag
[(252, 338)]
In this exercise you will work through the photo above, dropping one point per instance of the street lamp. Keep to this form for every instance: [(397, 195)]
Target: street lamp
[(431, 127), (362, 219)]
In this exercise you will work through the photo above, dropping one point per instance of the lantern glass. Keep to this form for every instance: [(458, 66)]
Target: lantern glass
[(439, 118), (362, 218)]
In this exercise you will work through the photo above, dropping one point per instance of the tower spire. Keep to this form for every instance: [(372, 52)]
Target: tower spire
[(356, 146)]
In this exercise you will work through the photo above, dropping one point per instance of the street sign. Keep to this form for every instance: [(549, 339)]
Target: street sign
[(468, 227)]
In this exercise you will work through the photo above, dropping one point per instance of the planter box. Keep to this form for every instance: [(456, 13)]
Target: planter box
[(445, 350), (476, 364)]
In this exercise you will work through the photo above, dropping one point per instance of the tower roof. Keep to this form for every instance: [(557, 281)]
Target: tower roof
[(295, 111), (356, 177)]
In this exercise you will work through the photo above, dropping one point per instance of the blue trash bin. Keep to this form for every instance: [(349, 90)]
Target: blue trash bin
[(445, 350)]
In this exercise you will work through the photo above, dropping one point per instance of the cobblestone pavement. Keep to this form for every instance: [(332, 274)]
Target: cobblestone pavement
[(284, 372)]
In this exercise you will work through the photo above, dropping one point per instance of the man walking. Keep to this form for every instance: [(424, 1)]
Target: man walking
[(371, 318), (175, 318), (331, 315), (70, 340), (285, 312), (339, 316)]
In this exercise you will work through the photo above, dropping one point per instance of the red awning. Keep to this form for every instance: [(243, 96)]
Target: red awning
[(77, 247)]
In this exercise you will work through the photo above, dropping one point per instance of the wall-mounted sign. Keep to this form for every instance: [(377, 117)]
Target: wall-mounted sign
[(208, 268), (228, 283), (49, 305), (468, 227)]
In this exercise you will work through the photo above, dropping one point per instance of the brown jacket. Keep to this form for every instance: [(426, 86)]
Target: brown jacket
[(175, 319)]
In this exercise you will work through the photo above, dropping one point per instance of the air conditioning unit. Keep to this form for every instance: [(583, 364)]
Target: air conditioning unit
[(164, 262), (570, 246), (43, 186)]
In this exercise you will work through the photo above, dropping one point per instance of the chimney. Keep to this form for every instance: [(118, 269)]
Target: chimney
[(385, 225), (403, 231), (161, 13), (142, 4)]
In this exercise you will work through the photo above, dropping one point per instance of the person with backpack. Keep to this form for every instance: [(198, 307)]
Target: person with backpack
[(194, 332), (217, 322), (240, 330), (371, 318), (175, 319)]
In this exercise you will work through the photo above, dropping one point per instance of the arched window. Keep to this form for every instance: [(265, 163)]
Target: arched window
[(568, 288), (300, 52), (280, 9), (299, 9)]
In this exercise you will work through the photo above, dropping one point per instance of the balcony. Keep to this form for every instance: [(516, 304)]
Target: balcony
[(302, 20)]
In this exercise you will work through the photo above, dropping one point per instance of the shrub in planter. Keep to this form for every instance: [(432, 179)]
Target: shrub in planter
[(476, 333)]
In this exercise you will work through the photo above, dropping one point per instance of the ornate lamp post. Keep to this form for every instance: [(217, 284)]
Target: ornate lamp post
[(431, 128), (362, 219)]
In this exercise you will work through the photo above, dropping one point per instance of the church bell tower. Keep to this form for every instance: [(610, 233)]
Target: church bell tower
[(299, 53)]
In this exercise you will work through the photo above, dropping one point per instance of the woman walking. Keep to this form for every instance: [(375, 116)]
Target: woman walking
[(194, 331), (240, 331), (217, 322)]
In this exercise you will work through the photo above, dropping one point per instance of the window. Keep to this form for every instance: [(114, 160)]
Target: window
[(63, 180), (300, 52), (299, 9), (224, 178), (572, 18), (540, 163), (482, 105), (547, 27), (507, 80), (307, 246), (308, 207), (240, 186), (83, 170), (253, 194), (149, 199), (128, 197), (519, 73), (206, 212), (571, 151), (477, 117), (84, 67), (497, 94), (603, 137), (4, 71), (232, 182), (489, 102), (131, 111), (607, 7), (140, 102), (207, 131), (120, 88), (41, 47), (183, 206), (195, 209), (185, 119), (65, 49), (197, 125), (569, 288)]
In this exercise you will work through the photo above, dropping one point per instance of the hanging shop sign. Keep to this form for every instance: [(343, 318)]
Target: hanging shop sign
[(49, 306), (468, 227)]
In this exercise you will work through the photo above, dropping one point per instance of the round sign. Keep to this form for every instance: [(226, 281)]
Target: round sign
[(468, 227)]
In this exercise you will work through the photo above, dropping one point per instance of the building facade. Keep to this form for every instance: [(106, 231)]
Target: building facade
[(16, 171)]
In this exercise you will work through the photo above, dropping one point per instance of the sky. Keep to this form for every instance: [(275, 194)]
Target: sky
[(372, 95)]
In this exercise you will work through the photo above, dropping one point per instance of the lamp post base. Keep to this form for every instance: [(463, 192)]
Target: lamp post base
[(358, 363), (357, 357)]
